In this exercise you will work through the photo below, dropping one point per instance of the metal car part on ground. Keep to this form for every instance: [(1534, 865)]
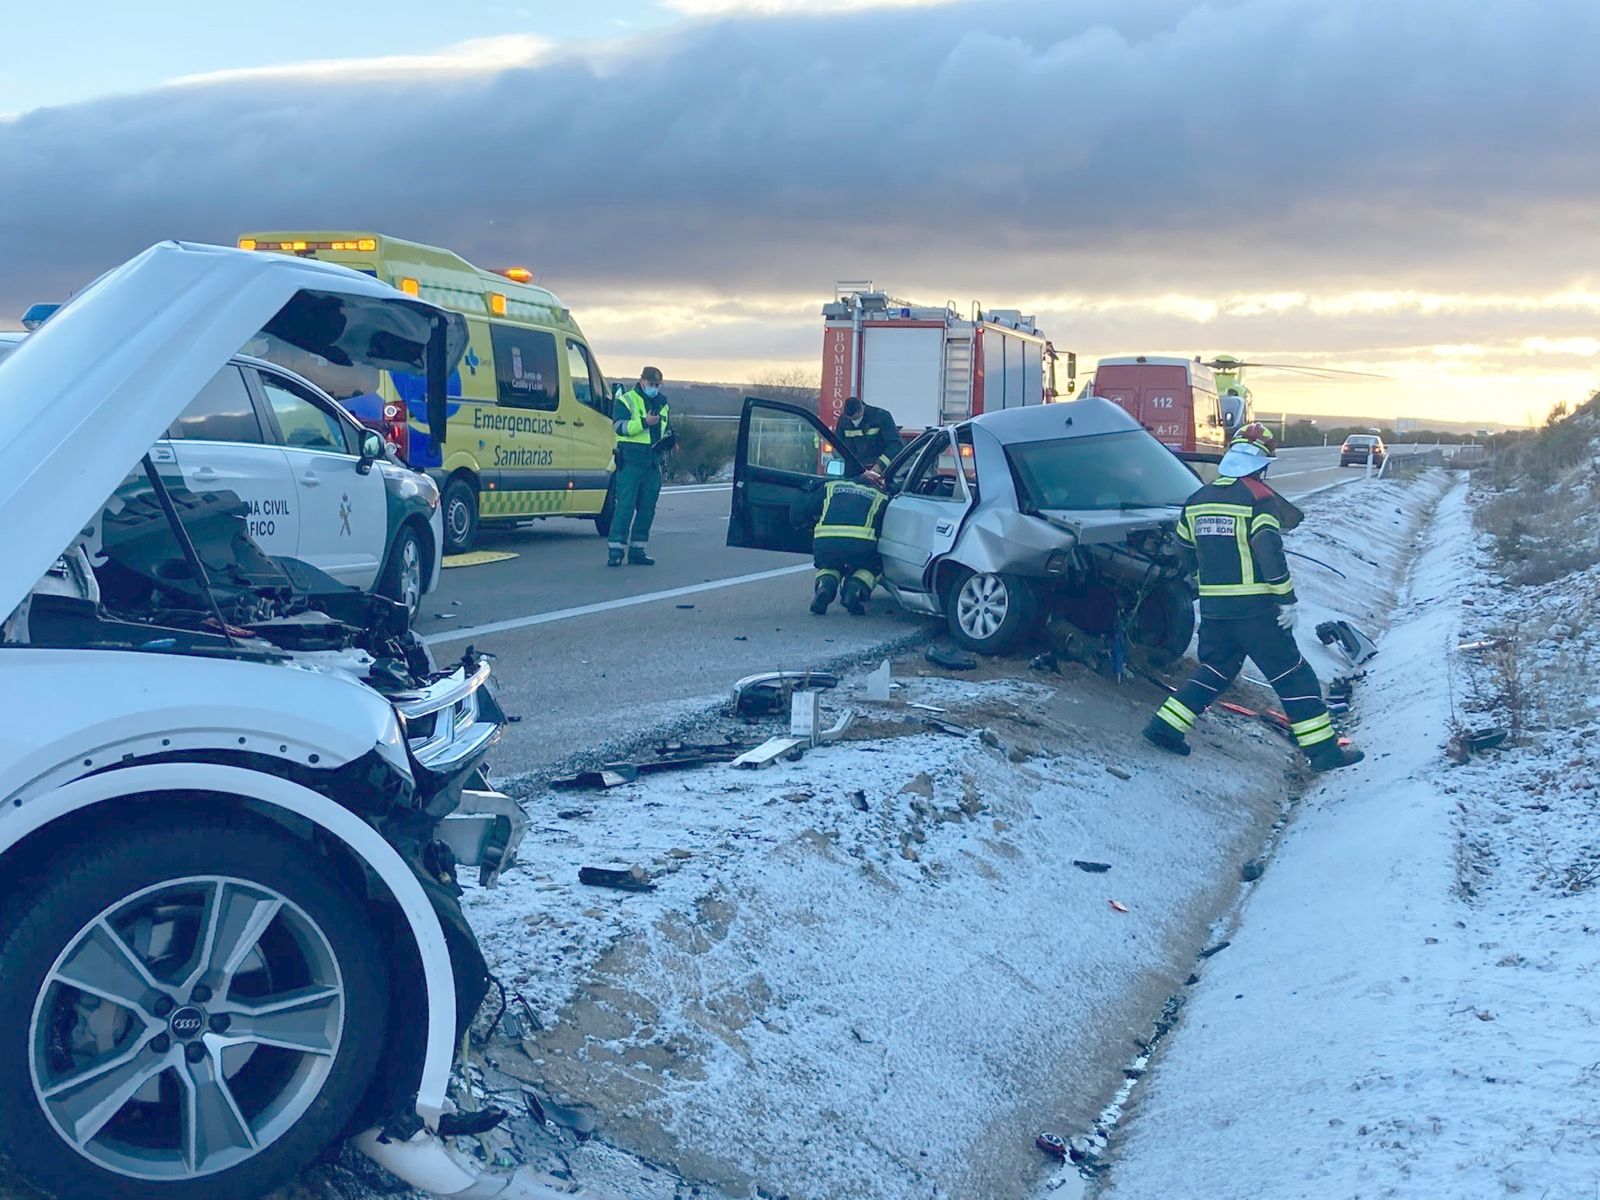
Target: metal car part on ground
[(995, 522), (234, 796)]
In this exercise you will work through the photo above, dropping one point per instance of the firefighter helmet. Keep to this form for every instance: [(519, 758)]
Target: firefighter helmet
[(1258, 436), (1252, 450)]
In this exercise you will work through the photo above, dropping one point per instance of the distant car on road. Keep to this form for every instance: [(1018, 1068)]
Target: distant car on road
[(997, 522), (1358, 447)]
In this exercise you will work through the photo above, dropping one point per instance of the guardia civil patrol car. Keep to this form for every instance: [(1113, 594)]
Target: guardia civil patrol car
[(319, 486), (528, 418)]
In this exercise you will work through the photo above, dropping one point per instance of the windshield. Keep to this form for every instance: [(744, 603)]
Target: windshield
[(1112, 470)]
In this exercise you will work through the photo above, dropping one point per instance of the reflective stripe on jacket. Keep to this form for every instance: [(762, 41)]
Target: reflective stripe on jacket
[(841, 508), (627, 416), (874, 440), (1234, 527)]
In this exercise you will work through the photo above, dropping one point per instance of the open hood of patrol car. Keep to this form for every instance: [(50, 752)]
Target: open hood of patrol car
[(84, 397)]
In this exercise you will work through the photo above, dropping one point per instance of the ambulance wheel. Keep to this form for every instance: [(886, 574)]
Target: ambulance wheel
[(460, 504), (192, 1011), (990, 613), (602, 521)]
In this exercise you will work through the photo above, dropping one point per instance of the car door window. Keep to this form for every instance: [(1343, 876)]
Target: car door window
[(588, 385), (525, 369), (222, 412), (781, 441), (303, 423), (934, 476), (900, 469)]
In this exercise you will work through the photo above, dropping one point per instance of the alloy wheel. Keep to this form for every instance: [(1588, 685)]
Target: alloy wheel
[(981, 606), (186, 1028), (411, 575)]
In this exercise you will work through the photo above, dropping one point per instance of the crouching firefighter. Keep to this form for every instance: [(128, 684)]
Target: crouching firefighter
[(1247, 605), (848, 516)]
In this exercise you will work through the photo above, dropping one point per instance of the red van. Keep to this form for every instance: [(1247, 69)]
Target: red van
[(1174, 398)]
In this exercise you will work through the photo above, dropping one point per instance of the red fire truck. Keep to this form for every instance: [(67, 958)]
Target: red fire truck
[(932, 366), (1174, 398)]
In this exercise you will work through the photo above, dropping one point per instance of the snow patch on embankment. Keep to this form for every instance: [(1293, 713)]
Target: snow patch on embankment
[(1408, 1007), (880, 971)]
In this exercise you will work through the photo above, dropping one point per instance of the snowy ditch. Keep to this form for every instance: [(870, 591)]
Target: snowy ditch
[(1407, 1007), (881, 971)]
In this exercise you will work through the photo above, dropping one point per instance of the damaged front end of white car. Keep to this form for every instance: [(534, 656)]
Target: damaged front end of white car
[(234, 795)]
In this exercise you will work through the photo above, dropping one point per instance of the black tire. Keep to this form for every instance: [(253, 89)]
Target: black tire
[(406, 555), (40, 927), (1011, 604), (1164, 624), (602, 521), (459, 506)]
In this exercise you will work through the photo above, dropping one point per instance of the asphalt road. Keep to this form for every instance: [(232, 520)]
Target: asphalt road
[(585, 655)]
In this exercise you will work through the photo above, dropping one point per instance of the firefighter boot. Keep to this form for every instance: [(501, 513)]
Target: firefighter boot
[(1159, 733), (854, 597), (827, 589), (1328, 755), (614, 557), (638, 558)]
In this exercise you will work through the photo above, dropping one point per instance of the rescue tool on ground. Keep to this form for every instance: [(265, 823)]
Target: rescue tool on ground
[(1234, 528), (521, 428)]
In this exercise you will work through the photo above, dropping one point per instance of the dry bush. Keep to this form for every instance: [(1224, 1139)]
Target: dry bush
[(704, 449)]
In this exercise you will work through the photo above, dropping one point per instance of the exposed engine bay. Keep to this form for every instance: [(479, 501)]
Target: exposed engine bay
[(128, 585)]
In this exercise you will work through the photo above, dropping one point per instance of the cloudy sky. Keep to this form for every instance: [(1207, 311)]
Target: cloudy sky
[(1400, 186)]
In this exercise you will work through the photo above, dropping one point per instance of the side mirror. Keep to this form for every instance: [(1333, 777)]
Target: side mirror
[(371, 450)]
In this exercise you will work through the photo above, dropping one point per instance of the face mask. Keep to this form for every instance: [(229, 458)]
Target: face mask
[(652, 391)]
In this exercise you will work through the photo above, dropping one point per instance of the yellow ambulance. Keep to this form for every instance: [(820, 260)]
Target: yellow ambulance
[(529, 430)]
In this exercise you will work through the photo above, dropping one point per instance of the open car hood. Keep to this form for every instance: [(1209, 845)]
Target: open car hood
[(84, 397), (1095, 526)]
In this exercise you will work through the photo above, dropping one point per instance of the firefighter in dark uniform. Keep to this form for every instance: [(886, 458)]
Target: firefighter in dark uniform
[(1247, 605), (848, 516), (870, 433)]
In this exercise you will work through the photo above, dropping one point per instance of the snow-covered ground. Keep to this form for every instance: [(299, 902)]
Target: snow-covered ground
[(1410, 1005), (879, 971)]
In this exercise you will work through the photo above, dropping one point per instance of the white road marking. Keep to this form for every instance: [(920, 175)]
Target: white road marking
[(585, 610), (691, 488)]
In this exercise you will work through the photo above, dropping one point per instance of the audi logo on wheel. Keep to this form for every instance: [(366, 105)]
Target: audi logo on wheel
[(187, 1022)]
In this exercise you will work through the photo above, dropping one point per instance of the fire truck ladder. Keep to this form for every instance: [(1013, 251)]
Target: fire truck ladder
[(957, 405)]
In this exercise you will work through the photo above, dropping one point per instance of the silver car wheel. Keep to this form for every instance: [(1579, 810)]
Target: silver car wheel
[(981, 606), (411, 575), (186, 1028)]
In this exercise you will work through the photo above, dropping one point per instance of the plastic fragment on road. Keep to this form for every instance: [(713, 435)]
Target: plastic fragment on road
[(770, 751), (1356, 646), (879, 683), (475, 558), (1094, 868), (1118, 905), (767, 693), (1118, 772)]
